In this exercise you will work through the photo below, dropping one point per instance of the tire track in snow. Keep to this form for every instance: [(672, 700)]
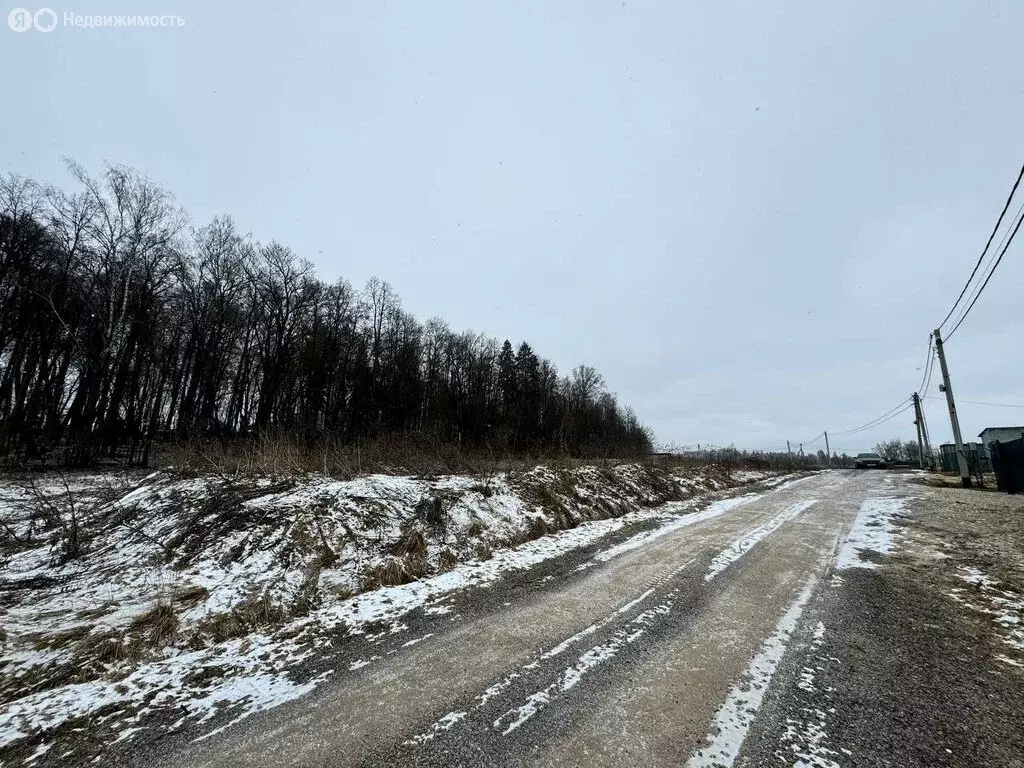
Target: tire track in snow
[(746, 542), (572, 675), (452, 718), (807, 735), (742, 703), (632, 631)]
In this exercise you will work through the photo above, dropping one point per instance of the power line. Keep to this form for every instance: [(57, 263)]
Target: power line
[(872, 422), (976, 290), (988, 243), (891, 413), (927, 364), (903, 410), (995, 266), (978, 402), (931, 370)]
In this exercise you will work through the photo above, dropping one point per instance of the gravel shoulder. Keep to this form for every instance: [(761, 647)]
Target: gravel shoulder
[(920, 662)]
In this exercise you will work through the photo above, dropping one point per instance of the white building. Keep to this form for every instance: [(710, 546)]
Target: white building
[(1002, 434)]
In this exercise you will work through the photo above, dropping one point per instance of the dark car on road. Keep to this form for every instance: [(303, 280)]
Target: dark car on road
[(869, 461)]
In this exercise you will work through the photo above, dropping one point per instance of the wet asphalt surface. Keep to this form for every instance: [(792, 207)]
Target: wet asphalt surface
[(881, 669)]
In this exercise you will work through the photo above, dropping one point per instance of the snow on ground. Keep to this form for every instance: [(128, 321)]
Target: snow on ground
[(630, 632), (742, 545), (737, 713), (995, 599), (201, 593), (586, 662), (806, 736), (872, 531), (673, 524)]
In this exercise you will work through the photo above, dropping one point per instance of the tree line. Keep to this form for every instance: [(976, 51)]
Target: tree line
[(122, 325), (899, 450)]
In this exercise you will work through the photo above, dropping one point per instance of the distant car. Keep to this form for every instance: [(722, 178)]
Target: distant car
[(869, 461)]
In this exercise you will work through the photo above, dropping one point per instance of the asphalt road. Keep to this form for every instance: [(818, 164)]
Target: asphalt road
[(730, 641)]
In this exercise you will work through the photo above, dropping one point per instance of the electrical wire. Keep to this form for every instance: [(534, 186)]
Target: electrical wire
[(905, 408), (870, 423), (988, 267), (931, 370), (1013, 234), (812, 441), (988, 243), (891, 413), (961, 311), (927, 363), (978, 402)]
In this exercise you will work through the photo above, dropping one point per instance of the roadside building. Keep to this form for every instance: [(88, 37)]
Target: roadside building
[(1002, 434)]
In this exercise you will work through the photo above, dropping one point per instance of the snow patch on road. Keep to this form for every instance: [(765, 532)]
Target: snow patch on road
[(736, 715), (812, 736), (568, 642), (571, 676), (783, 482), (446, 723), (633, 630), (713, 510), (806, 736), (872, 531), (742, 545)]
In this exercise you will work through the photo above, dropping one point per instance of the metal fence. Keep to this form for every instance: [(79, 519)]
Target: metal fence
[(977, 458), (1008, 464)]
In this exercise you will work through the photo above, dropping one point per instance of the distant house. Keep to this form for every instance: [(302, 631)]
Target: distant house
[(1002, 434)]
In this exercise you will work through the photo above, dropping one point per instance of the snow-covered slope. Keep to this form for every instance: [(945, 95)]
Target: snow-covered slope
[(202, 592)]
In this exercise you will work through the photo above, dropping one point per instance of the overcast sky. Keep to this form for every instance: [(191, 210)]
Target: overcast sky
[(748, 216)]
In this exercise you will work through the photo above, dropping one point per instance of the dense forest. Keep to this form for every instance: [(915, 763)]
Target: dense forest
[(123, 325)]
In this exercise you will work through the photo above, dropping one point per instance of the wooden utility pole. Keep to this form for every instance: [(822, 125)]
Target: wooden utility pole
[(961, 457), (828, 451), (918, 422), (790, 452), (927, 441)]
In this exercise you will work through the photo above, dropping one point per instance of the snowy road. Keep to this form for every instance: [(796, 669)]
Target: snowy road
[(716, 643)]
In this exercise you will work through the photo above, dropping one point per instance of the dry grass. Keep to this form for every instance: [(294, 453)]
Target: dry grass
[(952, 480), (422, 456), (394, 572), (65, 639), (412, 544), (447, 559), (252, 614), (434, 510), (539, 527), (190, 595), (158, 626)]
